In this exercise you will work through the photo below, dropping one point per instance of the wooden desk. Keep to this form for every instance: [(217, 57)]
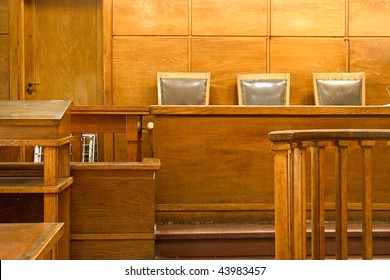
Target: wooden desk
[(112, 210), (217, 161), (46, 124), (109, 120), (28, 241)]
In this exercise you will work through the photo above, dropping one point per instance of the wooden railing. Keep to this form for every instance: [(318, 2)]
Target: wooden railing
[(290, 189)]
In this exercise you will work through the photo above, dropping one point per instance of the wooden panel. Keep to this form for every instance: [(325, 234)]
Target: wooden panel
[(369, 18), (225, 58), (136, 62), (301, 58), (230, 160), (4, 67), (112, 210), (4, 16), (371, 56), (155, 17), (111, 203), (234, 17), (112, 249), (72, 56), (307, 18)]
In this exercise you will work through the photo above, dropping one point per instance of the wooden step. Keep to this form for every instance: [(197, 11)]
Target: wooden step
[(249, 241)]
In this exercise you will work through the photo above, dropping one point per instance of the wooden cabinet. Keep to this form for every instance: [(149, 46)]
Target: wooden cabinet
[(46, 124)]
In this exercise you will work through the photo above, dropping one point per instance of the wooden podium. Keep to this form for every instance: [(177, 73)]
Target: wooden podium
[(46, 124)]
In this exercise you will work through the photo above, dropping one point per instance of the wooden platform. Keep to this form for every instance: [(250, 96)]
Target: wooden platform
[(209, 241)]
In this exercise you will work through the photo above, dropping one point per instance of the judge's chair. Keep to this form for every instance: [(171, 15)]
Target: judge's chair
[(263, 89), (339, 89), (181, 88)]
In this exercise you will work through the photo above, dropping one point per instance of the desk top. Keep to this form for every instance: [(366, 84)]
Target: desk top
[(110, 110), (16, 112), (216, 110), (28, 241)]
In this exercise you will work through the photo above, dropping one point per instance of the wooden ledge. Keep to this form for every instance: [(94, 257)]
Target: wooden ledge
[(32, 185), (224, 231), (148, 164)]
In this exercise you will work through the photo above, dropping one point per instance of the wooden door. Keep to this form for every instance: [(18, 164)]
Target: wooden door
[(63, 51)]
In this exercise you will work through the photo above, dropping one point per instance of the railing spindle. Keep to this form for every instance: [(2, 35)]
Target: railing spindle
[(366, 147)]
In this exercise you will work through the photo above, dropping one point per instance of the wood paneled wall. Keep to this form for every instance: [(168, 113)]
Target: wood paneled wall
[(227, 37), (4, 50)]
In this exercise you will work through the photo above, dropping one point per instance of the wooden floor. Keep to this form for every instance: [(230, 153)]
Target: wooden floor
[(209, 241)]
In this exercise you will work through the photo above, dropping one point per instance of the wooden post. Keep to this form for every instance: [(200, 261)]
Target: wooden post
[(298, 202), (341, 200), (317, 201), (282, 201), (366, 147)]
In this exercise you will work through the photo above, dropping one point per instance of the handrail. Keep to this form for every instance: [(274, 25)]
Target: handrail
[(329, 134), (290, 189)]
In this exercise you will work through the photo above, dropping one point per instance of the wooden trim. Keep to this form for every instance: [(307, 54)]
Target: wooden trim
[(16, 48), (37, 142), (310, 111), (255, 207), (214, 207), (149, 164), (103, 236), (107, 52)]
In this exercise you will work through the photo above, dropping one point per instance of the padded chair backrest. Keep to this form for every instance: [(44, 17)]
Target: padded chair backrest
[(263, 89), (339, 89), (183, 88)]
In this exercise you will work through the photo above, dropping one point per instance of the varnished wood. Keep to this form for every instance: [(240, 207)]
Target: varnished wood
[(333, 56), (217, 165), (344, 141), (107, 26), (4, 17), (247, 18), (317, 200), (48, 127), (301, 18), (106, 120), (4, 66), (298, 211), (282, 209), (341, 201), (134, 18), (67, 79), (17, 55), (29, 241), (367, 199), (362, 20), (103, 190)]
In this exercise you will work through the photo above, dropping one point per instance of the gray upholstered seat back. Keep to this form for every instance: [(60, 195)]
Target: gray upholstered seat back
[(340, 92), (264, 92), (183, 91)]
